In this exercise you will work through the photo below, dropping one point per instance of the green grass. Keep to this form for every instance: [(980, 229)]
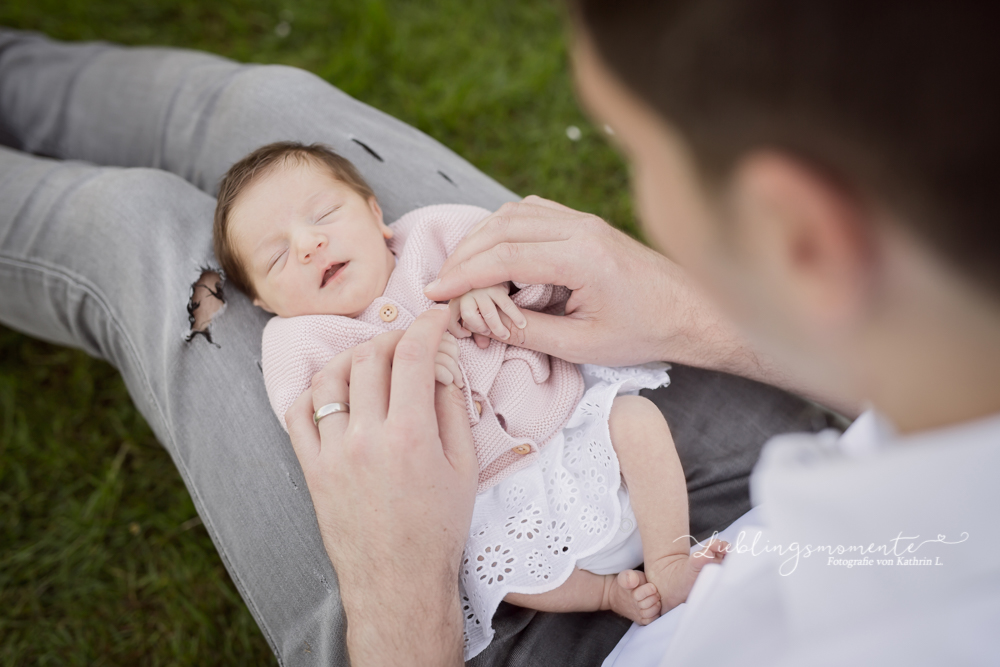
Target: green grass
[(102, 558)]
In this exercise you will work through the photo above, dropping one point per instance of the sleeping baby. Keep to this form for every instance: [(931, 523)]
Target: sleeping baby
[(579, 481)]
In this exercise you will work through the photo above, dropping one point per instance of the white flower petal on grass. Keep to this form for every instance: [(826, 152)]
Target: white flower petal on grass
[(574, 133)]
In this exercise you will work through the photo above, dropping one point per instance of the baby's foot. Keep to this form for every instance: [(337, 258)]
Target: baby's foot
[(630, 595), (674, 576)]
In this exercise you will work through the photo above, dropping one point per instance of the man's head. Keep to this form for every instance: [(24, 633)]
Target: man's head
[(828, 167), (300, 232)]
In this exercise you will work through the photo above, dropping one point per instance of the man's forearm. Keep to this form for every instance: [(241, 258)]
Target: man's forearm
[(709, 341), (411, 624)]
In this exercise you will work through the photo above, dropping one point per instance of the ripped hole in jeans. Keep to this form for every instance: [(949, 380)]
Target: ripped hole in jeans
[(205, 302)]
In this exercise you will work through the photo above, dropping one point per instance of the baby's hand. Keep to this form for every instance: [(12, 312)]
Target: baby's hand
[(475, 312), (446, 368)]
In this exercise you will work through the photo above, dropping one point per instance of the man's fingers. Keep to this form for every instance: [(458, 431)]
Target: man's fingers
[(515, 222), (500, 228), (535, 200), (370, 368), (455, 432), (302, 430), (330, 385), (532, 206), (547, 263), (411, 401), (566, 337)]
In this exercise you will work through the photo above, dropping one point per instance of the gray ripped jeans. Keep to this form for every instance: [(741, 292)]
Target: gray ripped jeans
[(109, 160)]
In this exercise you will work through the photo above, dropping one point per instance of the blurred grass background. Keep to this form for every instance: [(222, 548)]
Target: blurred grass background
[(103, 560)]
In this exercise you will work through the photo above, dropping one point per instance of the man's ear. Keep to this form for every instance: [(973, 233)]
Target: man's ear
[(810, 239), (377, 212), (260, 304)]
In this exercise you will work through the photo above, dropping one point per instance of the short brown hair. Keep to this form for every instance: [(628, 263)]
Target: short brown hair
[(252, 167), (894, 99)]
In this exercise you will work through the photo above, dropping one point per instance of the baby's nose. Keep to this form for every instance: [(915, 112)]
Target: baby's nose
[(310, 244)]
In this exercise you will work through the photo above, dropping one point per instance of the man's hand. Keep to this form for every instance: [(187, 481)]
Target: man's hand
[(477, 313), (393, 483), (629, 305)]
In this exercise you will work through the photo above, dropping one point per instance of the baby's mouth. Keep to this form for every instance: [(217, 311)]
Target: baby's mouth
[(331, 272)]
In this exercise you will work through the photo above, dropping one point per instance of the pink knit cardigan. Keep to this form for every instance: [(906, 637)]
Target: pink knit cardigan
[(525, 397)]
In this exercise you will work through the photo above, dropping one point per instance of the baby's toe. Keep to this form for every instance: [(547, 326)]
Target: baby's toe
[(650, 613), (648, 602), (649, 609), (630, 579), (645, 591)]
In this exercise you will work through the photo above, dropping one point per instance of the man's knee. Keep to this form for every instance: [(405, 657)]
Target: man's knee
[(263, 87), (152, 191), (156, 229)]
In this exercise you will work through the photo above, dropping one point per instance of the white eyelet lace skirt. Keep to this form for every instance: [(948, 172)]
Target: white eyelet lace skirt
[(530, 531)]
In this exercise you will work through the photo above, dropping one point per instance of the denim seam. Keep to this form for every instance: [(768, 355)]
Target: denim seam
[(83, 284)]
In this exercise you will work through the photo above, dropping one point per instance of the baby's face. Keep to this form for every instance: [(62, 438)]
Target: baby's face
[(310, 243)]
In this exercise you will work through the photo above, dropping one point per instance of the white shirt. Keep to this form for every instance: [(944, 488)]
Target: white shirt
[(923, 509)]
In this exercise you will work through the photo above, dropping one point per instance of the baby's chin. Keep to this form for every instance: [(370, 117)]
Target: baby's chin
[(343, 310), (348, 301), (306, 312)]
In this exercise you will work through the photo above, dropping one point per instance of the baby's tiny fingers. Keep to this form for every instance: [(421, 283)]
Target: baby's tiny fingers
[(488, 310), (507, 305), (443, 375), (471, 319), (445, 362), (454, 320), (449, 346), (458, 331)]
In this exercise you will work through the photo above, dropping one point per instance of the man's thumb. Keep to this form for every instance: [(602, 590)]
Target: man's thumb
[(455, 430), (545, 333)]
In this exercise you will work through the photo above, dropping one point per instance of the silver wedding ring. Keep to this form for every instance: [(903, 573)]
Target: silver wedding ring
[(330, 409)]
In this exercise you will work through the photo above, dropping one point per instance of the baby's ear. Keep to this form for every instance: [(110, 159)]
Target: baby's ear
[(260, 304), (377, 211)]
